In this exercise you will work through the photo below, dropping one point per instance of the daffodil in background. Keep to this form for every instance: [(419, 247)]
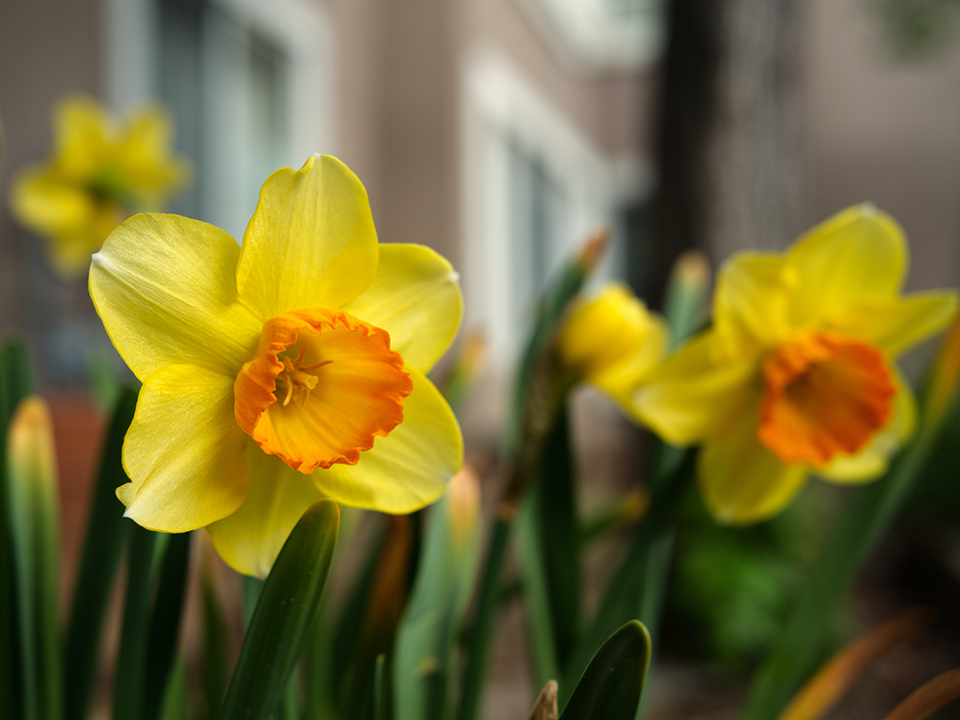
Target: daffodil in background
[(798, 373), (275, 373), (100, 172), (612, 341)]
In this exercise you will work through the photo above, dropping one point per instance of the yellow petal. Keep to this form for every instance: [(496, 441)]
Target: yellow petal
[(620, 380), (896, 324), (410, 467), (416, 298), (46, 204), (871, 462), (81, 129), (144, 152), (311, 242), (184, 451), (612, 341), (250, 539), (855, 256), (692, 393), (752, 302), (741, 481), (164, 287)]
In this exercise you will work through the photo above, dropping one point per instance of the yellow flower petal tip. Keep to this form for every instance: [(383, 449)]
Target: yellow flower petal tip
[(100, 171), (612, 341), (31, 455), (798, 371), (280, 371)]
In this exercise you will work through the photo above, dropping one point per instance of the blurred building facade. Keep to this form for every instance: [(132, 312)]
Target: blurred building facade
[(498, 131)]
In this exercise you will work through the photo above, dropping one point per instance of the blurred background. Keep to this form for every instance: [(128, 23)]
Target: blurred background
[(501, 133)]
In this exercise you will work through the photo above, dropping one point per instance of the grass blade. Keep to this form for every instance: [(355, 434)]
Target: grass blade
[(102, 548), (130, 680), (35, 533), (15, 384), (164, 630), (636, 589), (424, 667), (285, 612)]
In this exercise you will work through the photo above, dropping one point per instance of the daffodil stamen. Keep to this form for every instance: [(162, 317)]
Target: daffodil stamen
[(296, 379), (826, 395), (338, 415)]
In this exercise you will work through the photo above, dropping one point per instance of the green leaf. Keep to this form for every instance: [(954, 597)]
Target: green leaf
[(612, 685), (529, 420), (215, 645), (381, 689), (102, 548), (848, 545), (347, 629), (35, 533), (536, 596), (176, 701), (285, 612), (548, 545), (638, 585), (424, 667), (860, 527), (129, 684), (15, 384), (317, 666), (164, 631)]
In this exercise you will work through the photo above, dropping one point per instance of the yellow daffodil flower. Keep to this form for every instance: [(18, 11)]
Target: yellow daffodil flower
[(612, 341), (99, 174), (279, 371), (797, 373)]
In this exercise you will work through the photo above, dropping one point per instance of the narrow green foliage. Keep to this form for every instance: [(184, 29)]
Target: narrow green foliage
[(536, 596), (637, 587), (612, 685), (317, 667), (176, 701), (381, 689), (537, 397), (164, 631), (424, 667), (348, 628), (215, 647), (482, 628), (862, 524), (252, 587), (555, 501), (15, 384), (286, 610), (860, 527), (102, 547), (32, 494), (130, 680), (685, 303)]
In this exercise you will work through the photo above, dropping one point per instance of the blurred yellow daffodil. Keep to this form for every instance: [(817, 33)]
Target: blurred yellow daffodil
[(797, 372), (100, 173), (612, 341), (280, 371)]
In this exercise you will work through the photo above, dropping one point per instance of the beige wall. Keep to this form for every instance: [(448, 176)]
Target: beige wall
[(886, 131), (47, 48)]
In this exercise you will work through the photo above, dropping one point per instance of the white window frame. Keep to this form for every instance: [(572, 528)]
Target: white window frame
[(498, 102), (303, 31)]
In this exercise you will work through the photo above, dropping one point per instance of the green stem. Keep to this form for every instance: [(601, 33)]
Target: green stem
[(479, 645), (131, 660), (637, 588), (102, 549), (863, 523)]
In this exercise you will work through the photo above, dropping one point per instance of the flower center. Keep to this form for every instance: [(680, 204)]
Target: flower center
[(825, 395), (321, 387)]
